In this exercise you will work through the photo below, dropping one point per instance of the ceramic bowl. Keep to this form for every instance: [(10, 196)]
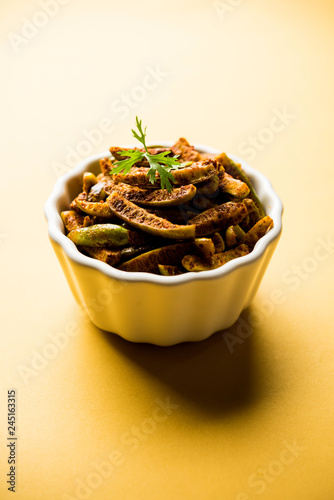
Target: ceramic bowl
[(162, 310)]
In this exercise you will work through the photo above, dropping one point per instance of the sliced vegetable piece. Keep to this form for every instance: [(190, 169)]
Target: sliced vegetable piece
[(106, 166), (166, 270), (72, 220), (240, 233), (196, 263), (202, 202), (232, 186), (197, 172), (230, 237), (100, 235), (186, 151), (257, 231), (99, 209), (205, 247), (218, 218), (157, 197), (137, 176), (141, 219), (132, 251), (97, 192), (169, 255), (233, 235), (89, 180), (115, 152), (253, 214), (73, 204), (111, 257), (139, 238), (210, 187), (178, 215), (89, 221), (218, 242), (236, 171)]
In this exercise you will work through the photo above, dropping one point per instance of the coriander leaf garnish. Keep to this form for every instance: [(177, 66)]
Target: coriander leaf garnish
[(163, 171), (160, 162), (124, 166), (142, 136)]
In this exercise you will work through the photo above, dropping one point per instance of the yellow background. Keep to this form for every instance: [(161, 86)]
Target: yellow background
[(228, 67)]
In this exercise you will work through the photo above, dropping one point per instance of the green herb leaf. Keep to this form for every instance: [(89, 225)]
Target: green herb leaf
[(161, 162), (170, 161), (142, 136), (165, 176), (124, 166)]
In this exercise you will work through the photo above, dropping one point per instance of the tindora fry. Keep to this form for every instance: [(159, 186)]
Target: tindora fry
[(99, 209), (218, 218), (106, 166), (257, 231), (89, 221), (178, 215), (218, 242), (100, 235), (230, 237), (97, 192), (168, 255), (156, 197), (107, 255), (205, 247), (232, 186), (239, 232), (73, 204), (72, 220), (236, 171), (196, 263), (202, 202), (129, 252), (186, 151), (197, 172), (89, 179), (233, 235), (167, 211), (166, 270), (253, 214), (147, 222), (210, 187)]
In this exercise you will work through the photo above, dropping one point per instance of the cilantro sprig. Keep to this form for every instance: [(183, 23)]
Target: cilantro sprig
[(160, 162)]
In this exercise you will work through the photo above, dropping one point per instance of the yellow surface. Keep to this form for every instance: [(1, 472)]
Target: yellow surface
[(253, 423)]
